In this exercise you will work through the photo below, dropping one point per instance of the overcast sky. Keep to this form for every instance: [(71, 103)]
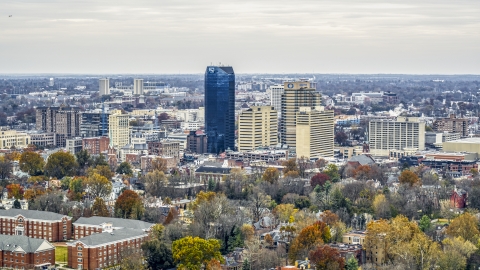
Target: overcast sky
[(268, 36)]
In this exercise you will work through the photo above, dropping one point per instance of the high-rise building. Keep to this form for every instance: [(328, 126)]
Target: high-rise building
[(94, 123), (118, 128), (138, 86), (276, 92), (406, 132), (220, 108), (51, 82), (104, 87), (296, 95), (63, 121), (452, 124), (257, 127), (315, 132)]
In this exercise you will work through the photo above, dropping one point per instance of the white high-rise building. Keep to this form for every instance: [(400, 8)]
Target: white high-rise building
[(51, 82), (315, 130), (276, 92), (257, 127), (138, 86), (104, 87)]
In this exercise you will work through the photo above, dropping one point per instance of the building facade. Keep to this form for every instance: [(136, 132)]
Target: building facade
[(196, 143), (452, 124), (22, 252), (164, 149), (63, 121), (220, 108), (13, 138), (41, 138), (296, 95), (315, 133), (74, 145), (138, 86), (257, 127), (96, 145), (276, 92), (104, 87), (36, 224), (94, 124), (87, 226), (119, 128), (405, 132)]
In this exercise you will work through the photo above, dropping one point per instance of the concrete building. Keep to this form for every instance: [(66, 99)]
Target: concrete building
[(101, 250), (296, 95), (276, 92), (436, 139), (165, 149), (406, 132), (63, 121), (257, 127), (463, 145), (74, 145), (315, 133), (104, 87), (41, 138), (118, 128), (22, 252), (196, 143), (94, 124), (96, 145), (37, 224), (452, 124), (138, 86), (13, 138)]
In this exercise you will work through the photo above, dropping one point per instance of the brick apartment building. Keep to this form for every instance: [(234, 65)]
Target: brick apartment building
[(165, 149), (104, 249), (452, 124), (96, 145), (36, 224), (22, 252), (87, 226), (196, 142)]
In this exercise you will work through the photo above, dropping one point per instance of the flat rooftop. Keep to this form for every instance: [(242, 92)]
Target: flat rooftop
[(473, 140)]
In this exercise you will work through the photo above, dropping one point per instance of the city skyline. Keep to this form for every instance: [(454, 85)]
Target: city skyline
[(180, 37)]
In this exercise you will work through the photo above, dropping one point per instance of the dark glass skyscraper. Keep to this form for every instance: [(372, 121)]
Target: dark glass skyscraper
[(220, 108)]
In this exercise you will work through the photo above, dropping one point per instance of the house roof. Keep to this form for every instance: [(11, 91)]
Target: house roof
[(32, 214), (116, 222), (107, 237), (362, 159), (21, 243)]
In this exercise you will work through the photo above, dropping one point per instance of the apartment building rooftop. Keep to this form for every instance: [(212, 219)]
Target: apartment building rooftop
[(109, 237), (32, 214), (21, 243), (117, 223)]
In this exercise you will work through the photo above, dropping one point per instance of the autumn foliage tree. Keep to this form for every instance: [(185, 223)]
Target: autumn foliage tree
[(465, 226), (98, 185), (363, 172), (309, 237), (31, 163), (61, 164), (319, 179), (290, 166), (326, 257), (99, 208), (195, 252), (271, 175), (408, 177), (15, 191), (129, 205)]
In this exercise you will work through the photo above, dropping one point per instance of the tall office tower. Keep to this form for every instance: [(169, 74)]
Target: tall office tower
[(257, 127), (63, 121), (220, 108), (118, 128), (138, 86), (296, 95), (51, 82), (406, 132), (276, 92), (315, 132), (93, 125), (104, 87)]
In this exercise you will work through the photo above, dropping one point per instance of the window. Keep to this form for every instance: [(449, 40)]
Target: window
[(79, 248), (80, 260), (79, 254)]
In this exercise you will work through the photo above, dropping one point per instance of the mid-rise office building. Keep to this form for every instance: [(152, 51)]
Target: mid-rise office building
[(405, 132), (63, 121), (104, 87), (220, 108), (315, 133), (296, 95), (118, 128), (138, 86), (13, 138), (452, 125), (257, 127), (276, 92)]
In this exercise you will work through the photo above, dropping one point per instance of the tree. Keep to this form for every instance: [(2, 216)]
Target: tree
[(160, 164), (381, 206), (15, 191), (268, 239), (31, 163), (319, 179), (129, 205), (465, 226), (271, 175), (474, 172), (34, 192), (103, 170), (341, 137), (324, 257), (362, 172), (99, 208), (352, 264), (284, 211), (408, 177), (320, 163), (157, 254), (155, 183), (83, 158), (5, 168), (290, 165), (61, 164), (76, 188), (258, 202), (425, 223), (309, 237), (332, 172), (16, 204), (195, 253), (98, 186), (329, 218), (246, 264), (125, 168)]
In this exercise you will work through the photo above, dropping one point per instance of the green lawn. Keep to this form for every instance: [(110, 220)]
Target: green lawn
[(61, 254)]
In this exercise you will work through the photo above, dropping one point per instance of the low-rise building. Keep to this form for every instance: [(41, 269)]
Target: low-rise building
[(95, 145), (74, 145), (22, 252), (13, 138), (165, 148), (104, 249), (37, 224)]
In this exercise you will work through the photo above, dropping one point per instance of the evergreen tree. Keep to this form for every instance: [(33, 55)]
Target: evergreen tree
[(352, 264), (246, 265), (16, 204)]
